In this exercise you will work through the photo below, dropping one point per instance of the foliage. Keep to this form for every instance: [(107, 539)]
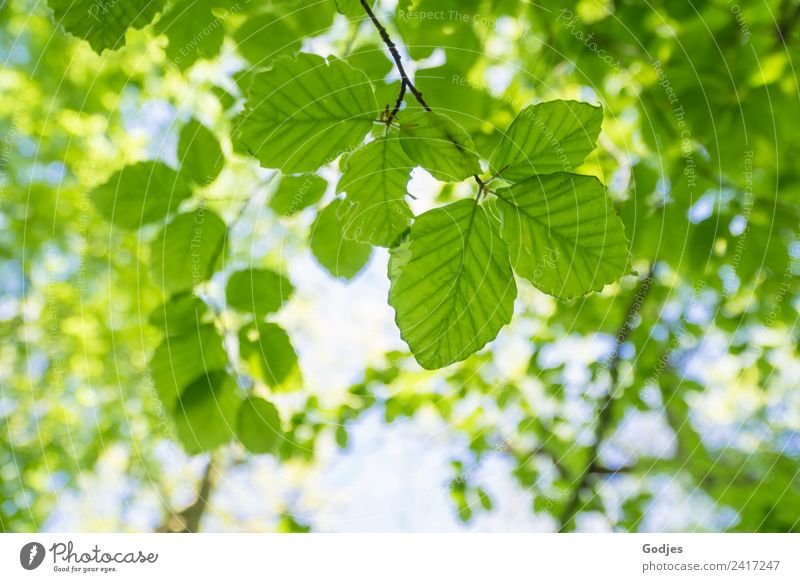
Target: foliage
[(601, 178)]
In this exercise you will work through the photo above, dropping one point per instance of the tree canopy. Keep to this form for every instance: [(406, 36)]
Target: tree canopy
[(582, 219)]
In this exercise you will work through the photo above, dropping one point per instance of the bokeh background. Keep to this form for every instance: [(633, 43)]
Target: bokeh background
[(690, 423)]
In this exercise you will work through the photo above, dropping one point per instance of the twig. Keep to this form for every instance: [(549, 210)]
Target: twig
[(605, 415), (405, 80)]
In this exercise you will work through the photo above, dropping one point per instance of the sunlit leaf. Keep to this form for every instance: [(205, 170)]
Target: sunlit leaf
[(305, 112), (563, 233), (452, 284)]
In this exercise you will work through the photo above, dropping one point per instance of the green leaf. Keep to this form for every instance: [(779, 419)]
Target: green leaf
[(352, 8), (295, 193), (193, 30), (140, 194), (342, 258), (305, 112), (439, 145), (180, 314), (563, 233), (199, 154), (269, 352), (371, 58), (180, 359), (452, 284), (259, 426), (555, 136), (485, 500), (265, 36), (205, 414), (104, 22), (258, 291), (188, 250), (375, 180)]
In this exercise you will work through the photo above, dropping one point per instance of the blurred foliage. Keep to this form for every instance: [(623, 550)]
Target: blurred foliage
[(119, 328)]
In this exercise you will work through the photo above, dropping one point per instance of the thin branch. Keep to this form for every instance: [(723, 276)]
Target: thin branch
[(605, 414), (406, 82)]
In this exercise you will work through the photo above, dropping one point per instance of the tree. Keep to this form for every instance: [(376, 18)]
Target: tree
[(611, 189)]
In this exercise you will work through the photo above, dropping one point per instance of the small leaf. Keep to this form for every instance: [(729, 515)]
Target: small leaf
[(342, 258), (352, 8), (181, 314), (187, 250), (295, 193), (439, 145), (342, 437), (305, 112), (180, 359), (375, 179), (259, 426), (563, 233), (104, 22), (258, 291), (140, 194), (452, 284), (485, 500), (193, 30), (268, 350), (555, 136), (205, 414), (199, 154)]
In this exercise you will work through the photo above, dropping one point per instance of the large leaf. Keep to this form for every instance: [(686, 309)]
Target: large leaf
[(439, 145), (555, 136), (104, 22), (199, 154), (305, 112), (268, 351), (342, 258), (259, 426), (187, 250), (295, 193), (180, 359), (257, 291), (140, 194), (265, 36), (452, 284), (205, 414), (563, 233), (375, 180)]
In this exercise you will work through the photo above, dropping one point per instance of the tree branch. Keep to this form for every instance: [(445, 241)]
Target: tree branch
[(188, 520), (405, 80), (605, 415)]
